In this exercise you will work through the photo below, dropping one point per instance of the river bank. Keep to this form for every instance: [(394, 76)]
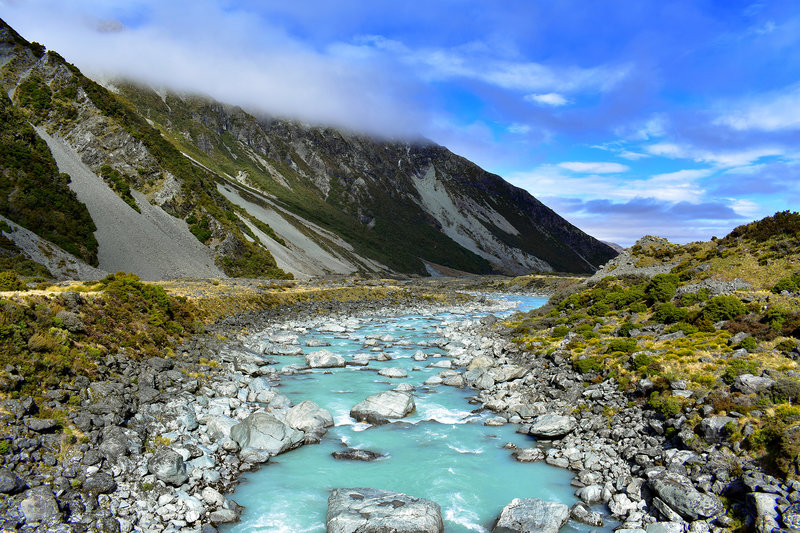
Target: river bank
[(153, 449)]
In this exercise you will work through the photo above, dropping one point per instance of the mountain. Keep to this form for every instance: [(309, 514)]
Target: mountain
[(180, 185)]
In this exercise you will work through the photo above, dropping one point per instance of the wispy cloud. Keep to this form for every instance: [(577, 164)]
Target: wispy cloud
[(597, 167), (721, 158), (774, 111), (550, 99)]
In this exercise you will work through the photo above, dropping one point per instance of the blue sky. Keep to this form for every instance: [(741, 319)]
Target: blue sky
[(627, 117)]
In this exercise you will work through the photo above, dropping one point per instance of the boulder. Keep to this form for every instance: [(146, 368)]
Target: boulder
[(219, 427), (309, 417), (353, 454), (379, 408), (393, 372), (363, 510), (168, 466), (791, 516), (665, 527), (529, 455), (100, 483), (582, 513), (263, 431), (324, 359), (750, 384), (529, 515), (713, 428), (10, 483), (551, 426), (681, 496), (39, 505)]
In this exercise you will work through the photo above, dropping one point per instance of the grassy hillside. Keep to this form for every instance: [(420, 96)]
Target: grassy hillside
[(682, 339)]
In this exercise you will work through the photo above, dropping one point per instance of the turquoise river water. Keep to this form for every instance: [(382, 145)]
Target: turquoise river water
[(441, 452)]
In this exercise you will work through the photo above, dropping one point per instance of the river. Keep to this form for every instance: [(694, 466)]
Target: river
[(442, 451)]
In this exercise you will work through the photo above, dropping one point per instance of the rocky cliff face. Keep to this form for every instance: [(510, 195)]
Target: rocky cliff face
[(238, 194)]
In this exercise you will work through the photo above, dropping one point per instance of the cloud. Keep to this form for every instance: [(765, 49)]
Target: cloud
[(722, 158), (773, 111), (594, 168), (551, 99)]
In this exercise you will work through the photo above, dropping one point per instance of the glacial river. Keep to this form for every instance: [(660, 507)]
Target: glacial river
[(442, 452)]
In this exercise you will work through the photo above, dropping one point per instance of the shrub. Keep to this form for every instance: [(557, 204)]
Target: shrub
[(685, 327), (599, 309), (774, 317), (638, 307), (625, 329), (559, 332), (748, 343), (737, 367), (662, 287), (785, 284), (723, 308), (9, 281), (668, 313), (664, 403), (787, 345), (622, 345), (586, 331), (641, 360), (588, 364)]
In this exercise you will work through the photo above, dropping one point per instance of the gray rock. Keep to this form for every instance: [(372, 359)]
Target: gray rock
[(551, 426), (679, 493), (10, 483), (324, 359), (100, 483), (379, 408), (72, 322), (791, 516), (750, 384), (712, 429), (309, 417), (595, 493), (531, 515), (664, 527), (393, 372), (219, 427), (529, 455), (353, 454), (168, 466), (363, 510), (581, 512), (39, 505), (223, 516), (41, 425), (265, 432)]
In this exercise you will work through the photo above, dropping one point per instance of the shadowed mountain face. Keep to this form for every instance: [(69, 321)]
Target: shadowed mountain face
[(263, 196)]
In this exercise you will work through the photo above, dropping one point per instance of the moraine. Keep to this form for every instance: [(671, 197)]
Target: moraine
[(445, 451)]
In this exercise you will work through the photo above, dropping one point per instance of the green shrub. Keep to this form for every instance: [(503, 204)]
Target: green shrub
[(638, 307), (665, 404), (748, 343), (774, 317), (662, 287), (625, 329), (785, 284), (559, 332), (685, 327), (667, 313), (588, 364), (586, 331), (737, 367), (786, 345), (723, 308), (641, 360), (622, 345), (9, 281), (599, 309)]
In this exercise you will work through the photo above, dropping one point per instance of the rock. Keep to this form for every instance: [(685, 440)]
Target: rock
[(324, 359), (265, 432), (681, 496), (581, 512), (531, 515), (791, 516), (353, 454), (595, 493), (621, 505), (713, 428), (72, 322), (393, 372), (39, 505), (223, 516), (219, 427), (528, 455), (363, 510), (10, 483), (100, 483), (41, 425), (168, 466), (664, 527), (551, 426), (379, 408), (750, 384), (309, 417)]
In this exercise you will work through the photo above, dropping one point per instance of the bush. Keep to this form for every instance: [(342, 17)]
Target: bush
[(786, 284), (668, 313), (665, 404), (662, 287), (748, 343), (588, 364), (787, 345), (622, 345), (641, 360), (586, 331), (774, 318), (559, 332), (9, 281), (723, 308), (599, 309), (685, 327), (737, 367), (625, 329)]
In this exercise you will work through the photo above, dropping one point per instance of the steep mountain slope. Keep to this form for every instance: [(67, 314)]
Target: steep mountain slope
[(185, 186), (398, 202)]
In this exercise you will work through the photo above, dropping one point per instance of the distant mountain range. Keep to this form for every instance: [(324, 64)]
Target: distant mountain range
[(125, 177)]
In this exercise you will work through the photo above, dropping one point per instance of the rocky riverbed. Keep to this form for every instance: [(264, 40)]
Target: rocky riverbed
[(159, 444)]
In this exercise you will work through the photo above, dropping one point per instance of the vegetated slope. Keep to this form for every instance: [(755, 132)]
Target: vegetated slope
[(399, 203), (123, 151), (700, 331)]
